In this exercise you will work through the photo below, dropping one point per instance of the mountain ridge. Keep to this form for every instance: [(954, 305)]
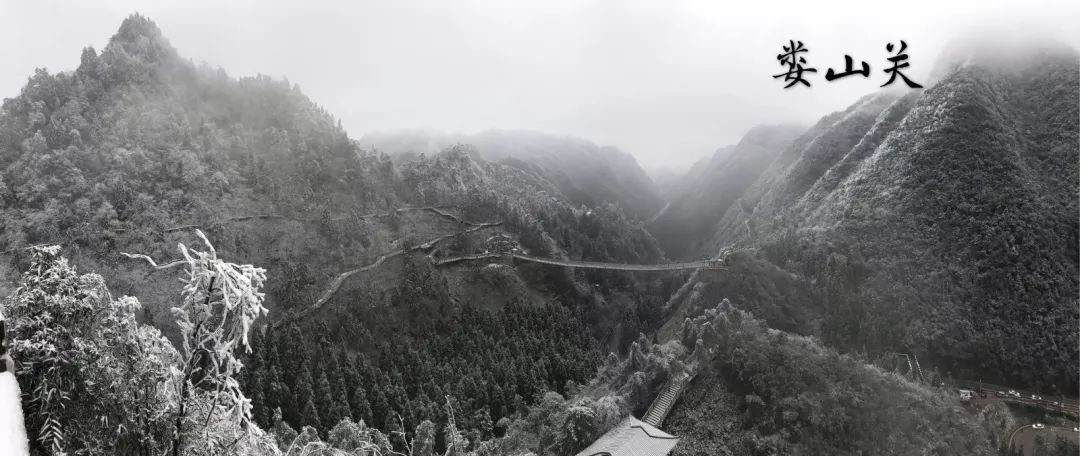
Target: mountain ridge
[(933, 222), (585, 173)]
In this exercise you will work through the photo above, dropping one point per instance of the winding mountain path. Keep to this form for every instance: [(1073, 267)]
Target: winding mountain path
[(338, 280), (430, 209), (335, 284)]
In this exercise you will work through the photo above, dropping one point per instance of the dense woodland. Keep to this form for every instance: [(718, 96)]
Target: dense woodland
[(489, 365), (768, 392), (939, 223), (583, 172), (137, 148)]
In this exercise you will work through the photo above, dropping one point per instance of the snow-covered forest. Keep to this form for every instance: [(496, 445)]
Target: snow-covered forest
[(193, 263)]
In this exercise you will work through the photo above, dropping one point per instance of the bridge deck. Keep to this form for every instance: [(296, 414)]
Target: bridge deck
[(584, 264), (617, 266)]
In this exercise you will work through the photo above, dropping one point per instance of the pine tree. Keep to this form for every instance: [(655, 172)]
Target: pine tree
[(278, 394), (259, 410), (310, 415), (303, 391), (380, 406), (350, 372), (498, 402), (342, 408), (324, 401), (361, 409), (293, 353), (253, 364)]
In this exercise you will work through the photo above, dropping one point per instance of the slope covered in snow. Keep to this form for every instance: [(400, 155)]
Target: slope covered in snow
[(12, 430), (940, 222)]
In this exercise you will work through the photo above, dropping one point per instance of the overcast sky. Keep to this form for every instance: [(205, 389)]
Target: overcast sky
[(667, 81)]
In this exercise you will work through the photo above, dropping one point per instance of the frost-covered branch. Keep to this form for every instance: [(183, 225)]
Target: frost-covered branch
[(219, 303)]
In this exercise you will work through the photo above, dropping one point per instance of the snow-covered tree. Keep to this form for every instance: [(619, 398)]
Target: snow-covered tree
[(45, 313), (97, 381), (219, 303), (577, 431)]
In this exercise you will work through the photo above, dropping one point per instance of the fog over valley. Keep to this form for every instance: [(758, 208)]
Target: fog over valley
[(599, 228)]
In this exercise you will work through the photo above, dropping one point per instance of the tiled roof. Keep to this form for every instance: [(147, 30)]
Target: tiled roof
[(632, 437)]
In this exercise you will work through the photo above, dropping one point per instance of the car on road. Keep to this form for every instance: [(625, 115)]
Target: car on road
[(1013, 393), (1036, 398), (1056, 404), (1076, 429), (1038, 426)]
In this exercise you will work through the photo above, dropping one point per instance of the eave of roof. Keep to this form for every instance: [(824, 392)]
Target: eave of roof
[(632, 437)]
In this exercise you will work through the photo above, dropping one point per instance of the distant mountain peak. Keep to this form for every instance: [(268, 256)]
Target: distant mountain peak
[(770, 133), (584, 172), (139, 36), (997, 49)]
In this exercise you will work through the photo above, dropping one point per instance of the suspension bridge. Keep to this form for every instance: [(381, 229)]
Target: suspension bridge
[(702, 264), (427, 247), (336, 283)]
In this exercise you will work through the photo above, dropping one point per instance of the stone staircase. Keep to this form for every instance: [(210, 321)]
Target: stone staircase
[(661, 406)]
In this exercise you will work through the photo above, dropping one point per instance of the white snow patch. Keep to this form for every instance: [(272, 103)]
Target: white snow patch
[(12, 430)]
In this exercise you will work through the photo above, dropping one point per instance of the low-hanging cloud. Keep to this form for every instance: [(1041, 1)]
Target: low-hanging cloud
[(666, 81)]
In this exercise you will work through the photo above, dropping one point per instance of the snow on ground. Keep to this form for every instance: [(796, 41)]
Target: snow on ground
[(12, 430)]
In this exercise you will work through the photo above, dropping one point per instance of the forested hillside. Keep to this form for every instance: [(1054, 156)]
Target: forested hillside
[(137, 143), (940, 223), (364, 297), (767, 392), (137, 148), (581, 171)]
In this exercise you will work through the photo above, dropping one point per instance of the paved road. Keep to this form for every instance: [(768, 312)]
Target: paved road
[(432, 209), (1023, 437), (1067, 405)]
